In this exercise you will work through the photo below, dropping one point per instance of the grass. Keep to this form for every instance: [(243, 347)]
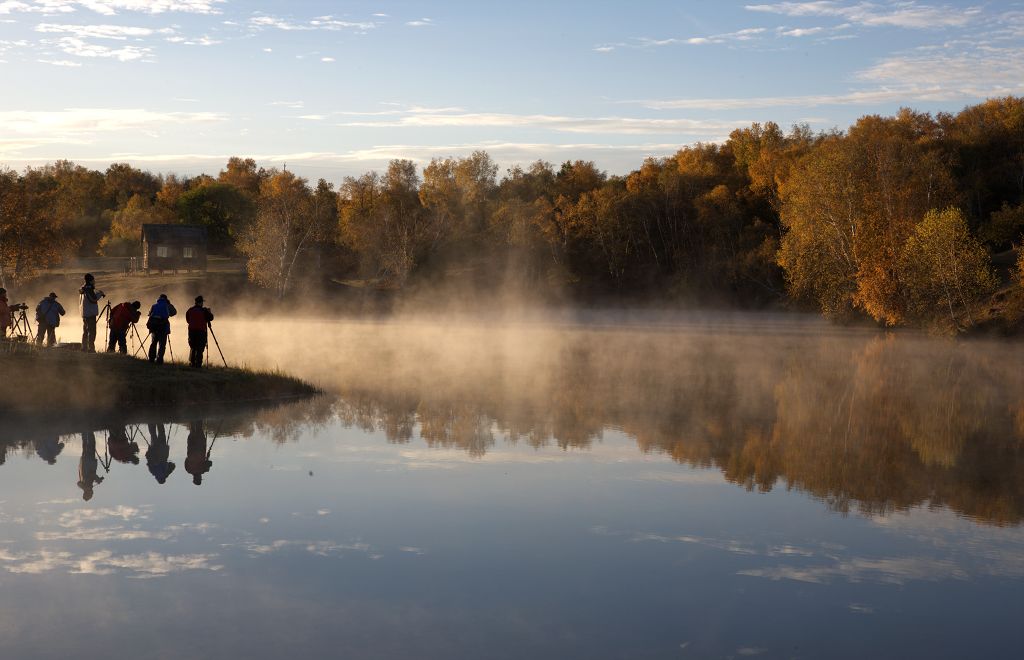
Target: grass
[(68, 381)]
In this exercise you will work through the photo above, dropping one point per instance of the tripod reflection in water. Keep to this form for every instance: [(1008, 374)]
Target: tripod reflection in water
[(122, 446)]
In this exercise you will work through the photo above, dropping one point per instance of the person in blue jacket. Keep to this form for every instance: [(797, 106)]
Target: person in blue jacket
[(159, 325)]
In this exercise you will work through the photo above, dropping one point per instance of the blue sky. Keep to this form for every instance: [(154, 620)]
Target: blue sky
[(338, 88)]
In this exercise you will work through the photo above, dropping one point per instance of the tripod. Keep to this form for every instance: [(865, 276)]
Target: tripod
[(21, 327), (106, 333)]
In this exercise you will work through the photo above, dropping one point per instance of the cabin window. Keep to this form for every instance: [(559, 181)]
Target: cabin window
[(188, 253), (161, 250)]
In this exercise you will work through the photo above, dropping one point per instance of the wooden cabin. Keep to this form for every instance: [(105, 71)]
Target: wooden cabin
[(173, 247)]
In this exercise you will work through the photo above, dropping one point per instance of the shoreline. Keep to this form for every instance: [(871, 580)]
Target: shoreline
[(65, 382)]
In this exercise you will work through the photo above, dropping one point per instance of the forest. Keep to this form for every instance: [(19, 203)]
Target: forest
[(909, 220)]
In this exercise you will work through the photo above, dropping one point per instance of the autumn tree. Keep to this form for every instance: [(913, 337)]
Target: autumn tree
[(125, 232), (243, 174), (30, 234), (944, 268), (848, 207), (382, 219), (290, 218)]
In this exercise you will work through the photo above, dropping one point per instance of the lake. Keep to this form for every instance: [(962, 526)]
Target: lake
[(642, 487)]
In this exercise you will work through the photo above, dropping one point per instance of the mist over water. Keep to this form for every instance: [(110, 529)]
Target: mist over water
[(863, 420), (570, 484)]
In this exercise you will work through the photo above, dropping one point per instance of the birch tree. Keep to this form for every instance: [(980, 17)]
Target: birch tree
[(945, 270), (291, 218)]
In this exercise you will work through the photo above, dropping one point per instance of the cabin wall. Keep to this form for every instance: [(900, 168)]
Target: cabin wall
[(174, 258)]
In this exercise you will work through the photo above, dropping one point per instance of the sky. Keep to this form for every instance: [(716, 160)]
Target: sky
[(334, 89)]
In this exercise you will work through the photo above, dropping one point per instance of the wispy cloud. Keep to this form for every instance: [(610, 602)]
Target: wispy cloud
[(82, 48), (67, 63), (29, 129), (800, 32), (746, 34), (111, 7), (922, 75), (117, 32), (320, 23), (867, 97), (567, 124), (903, 14), (981, 71), (420, 22)]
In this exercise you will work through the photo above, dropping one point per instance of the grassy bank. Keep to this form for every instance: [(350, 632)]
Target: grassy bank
[(68, 381)]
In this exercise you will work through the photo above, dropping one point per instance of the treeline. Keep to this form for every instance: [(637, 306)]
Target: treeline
[(896, 218)]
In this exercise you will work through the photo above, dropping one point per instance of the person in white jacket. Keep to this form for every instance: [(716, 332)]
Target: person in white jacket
[(90, 304)]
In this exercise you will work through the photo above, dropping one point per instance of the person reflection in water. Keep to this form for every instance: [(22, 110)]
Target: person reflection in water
[(158, 453), (49, 448), (197, 459), (121, 448), (87, 477)]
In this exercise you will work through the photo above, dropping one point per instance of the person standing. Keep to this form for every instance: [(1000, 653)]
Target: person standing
[(159, 325), (87, 466), (197, 456), (48, 313), (89, 302), (158, 454), (122, 317), (5, 314), (198, 319)]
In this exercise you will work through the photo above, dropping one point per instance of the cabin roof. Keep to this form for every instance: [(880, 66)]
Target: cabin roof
[(174, 234)]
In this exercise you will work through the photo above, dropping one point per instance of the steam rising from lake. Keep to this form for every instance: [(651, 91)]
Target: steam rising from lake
[(861, 419)]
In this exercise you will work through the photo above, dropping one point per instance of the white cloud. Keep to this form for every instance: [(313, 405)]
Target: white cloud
[(295, 105), (421, 22), (67, 63), (746, 34), (31, 129), (924, 75), (117, 32), (82, 48), (616, 125), (985, 71), (800, 32), (327, 59), (112, 7), (320, 23), (200, 41), (331, 23), (904, 14), (866, 97)]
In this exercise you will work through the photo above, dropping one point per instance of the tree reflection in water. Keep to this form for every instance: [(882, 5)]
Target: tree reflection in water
[(874, 426), (871, 425)]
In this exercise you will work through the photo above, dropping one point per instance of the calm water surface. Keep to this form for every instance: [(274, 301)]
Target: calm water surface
[(598, 493)]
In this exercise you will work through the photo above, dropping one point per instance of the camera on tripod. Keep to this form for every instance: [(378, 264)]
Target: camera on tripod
[(17, 307)]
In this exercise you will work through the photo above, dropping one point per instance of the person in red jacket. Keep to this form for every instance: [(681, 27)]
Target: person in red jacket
[(198, 319), (122, 317)]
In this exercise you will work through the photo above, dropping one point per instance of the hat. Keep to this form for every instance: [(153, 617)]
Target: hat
[(89, 277), (136, 304), (199, 300), (52, 295), (163, 296)]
